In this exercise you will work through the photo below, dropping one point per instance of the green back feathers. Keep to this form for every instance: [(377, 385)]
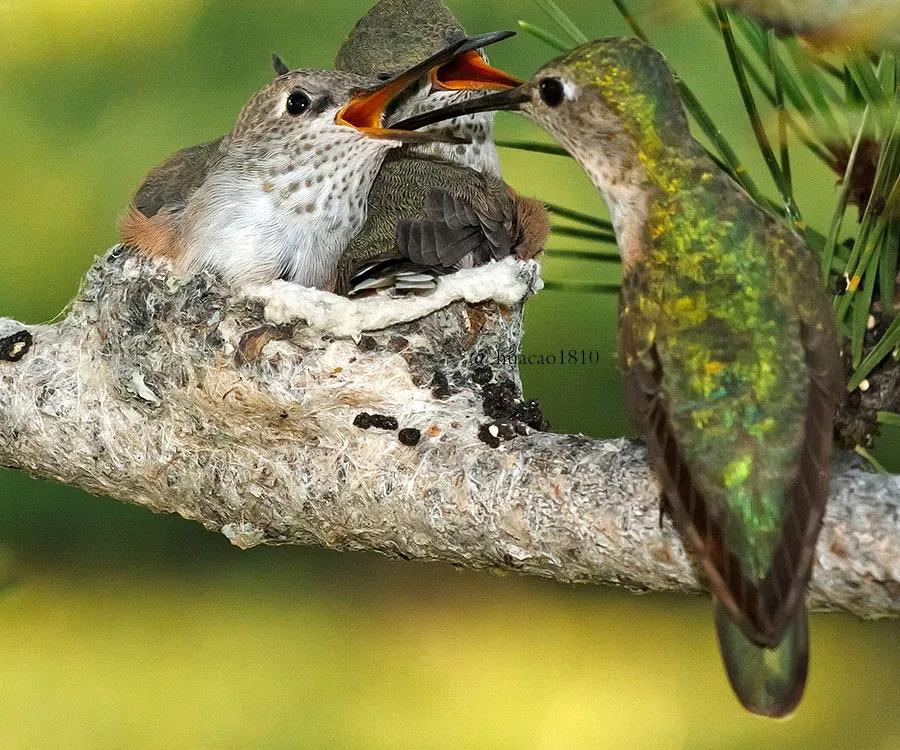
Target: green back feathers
[(768, 681), (734, 370), (720, 319)]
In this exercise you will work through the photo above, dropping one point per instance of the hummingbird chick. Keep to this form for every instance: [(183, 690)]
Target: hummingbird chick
[(727, 345), (282, 194), (393, 36), (437, 207), (428, 217)]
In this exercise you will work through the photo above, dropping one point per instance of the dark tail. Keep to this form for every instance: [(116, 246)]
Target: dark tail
[(768, 681)]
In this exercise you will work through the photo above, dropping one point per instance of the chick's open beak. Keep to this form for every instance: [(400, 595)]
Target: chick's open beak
[(366, 109), (470, 70)]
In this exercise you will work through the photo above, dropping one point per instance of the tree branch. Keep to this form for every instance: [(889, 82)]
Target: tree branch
[(239, 412)]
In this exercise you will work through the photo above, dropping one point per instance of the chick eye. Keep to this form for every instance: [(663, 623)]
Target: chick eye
[(552, 93), (297, 103)]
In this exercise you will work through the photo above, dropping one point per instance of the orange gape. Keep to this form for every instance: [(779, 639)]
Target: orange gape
[(471, 71), (155, 236)]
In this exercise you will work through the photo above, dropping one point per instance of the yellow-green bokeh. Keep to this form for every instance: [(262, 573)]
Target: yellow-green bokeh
[(123, 629)]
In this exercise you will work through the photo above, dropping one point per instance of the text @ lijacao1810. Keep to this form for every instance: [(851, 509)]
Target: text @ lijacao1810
[(554, 358)]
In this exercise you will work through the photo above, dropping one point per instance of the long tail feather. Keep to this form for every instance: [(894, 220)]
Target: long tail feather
[(767, 681)]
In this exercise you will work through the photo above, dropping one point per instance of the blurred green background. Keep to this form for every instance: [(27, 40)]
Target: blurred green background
[(124, 629)]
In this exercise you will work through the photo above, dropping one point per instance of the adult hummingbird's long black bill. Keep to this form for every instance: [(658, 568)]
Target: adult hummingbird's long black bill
[(510, 100), (366, 109)]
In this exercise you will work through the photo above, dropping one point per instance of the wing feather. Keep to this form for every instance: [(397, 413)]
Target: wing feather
[(172, 182), (763, 609), (452, 230)]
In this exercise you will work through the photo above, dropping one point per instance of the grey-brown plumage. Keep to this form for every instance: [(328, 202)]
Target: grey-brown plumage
[(428, 217), (395, 33), (279, 196), (170, 183)]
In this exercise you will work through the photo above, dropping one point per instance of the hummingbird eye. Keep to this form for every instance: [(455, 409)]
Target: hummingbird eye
[(552, 92), (297, 103)]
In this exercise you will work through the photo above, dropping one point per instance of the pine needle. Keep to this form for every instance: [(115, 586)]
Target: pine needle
[(587, 234), (535, 146), (873, 462), (888, 342), (837, 218), (581, 287), (888, 418), (772, 44), (545, 36), (759, 131), (568, 213), (563, 21)]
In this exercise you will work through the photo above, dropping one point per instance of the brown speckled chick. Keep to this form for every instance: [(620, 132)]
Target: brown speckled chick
[(284, 192), (437, 207)]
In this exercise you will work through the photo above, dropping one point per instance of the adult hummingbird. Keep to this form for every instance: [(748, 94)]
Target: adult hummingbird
[(727, 346), (284, 192), (394, 35), (437, 207)]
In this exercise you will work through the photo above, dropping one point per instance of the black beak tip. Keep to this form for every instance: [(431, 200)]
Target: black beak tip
[(483, 40)]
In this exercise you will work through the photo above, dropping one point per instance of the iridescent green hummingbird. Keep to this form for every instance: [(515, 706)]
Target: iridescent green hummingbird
[(727, 345), (435, 207)]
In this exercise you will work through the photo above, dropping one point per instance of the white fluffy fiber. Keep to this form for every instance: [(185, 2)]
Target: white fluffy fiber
[(507, 282)]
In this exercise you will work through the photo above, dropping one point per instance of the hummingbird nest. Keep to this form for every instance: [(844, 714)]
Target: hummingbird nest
[(290, 415)]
